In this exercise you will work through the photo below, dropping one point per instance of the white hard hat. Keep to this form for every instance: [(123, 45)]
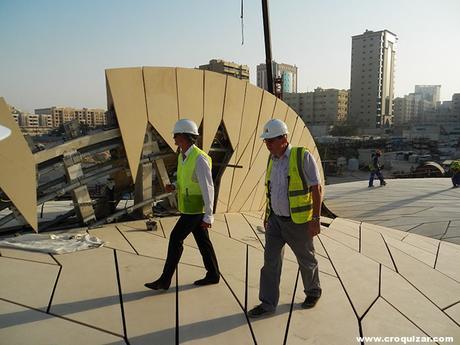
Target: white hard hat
[(185, 126), (274, 128)]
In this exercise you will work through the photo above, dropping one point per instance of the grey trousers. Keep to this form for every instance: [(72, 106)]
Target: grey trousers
[(279, 232)]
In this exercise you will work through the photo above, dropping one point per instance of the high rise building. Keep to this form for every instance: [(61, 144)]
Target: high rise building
[(228, 68), (321, 107), (372, 79), (287, 73), (430, 93)]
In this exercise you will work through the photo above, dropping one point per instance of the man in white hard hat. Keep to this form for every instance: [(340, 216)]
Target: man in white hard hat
[(293, 188), (195, 193)]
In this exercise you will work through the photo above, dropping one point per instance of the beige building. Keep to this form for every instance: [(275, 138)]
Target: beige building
[(287, 73), (372, 79), (228, 68), (321, 107), (60, 115), (411, 108)]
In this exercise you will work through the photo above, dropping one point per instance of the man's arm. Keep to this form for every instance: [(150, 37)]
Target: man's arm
[(311, 172), (204, 177), (314, 227)]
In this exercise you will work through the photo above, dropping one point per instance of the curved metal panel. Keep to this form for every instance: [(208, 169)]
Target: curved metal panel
[(126, 88), (248, 134), (280, 110), (214, 94), (266, 113), (233, 108), (162, 102), (17, 172), (190, 94)]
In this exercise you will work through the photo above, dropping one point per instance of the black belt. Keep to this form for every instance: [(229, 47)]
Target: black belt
[(283, 217)]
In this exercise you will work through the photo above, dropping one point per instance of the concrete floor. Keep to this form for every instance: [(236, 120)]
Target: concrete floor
[(376, 282), (428, 206)]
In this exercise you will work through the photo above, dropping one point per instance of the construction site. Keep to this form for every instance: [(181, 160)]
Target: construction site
[(388, 257)]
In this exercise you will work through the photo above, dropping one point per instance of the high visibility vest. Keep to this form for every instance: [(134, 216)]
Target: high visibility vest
[(455, 166), (299, 193), (190, 199)]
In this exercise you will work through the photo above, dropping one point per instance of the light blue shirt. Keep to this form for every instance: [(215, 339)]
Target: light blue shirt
[(279, 180)]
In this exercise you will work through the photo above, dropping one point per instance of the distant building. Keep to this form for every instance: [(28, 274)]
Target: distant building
[(456, 105), (415, 109), (60, 115), (228, 68), (430, 93), (372, 79), (321, 107), (287, 73), (411, 108)]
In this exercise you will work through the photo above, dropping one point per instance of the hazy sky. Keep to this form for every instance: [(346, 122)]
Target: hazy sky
[(54, 52)]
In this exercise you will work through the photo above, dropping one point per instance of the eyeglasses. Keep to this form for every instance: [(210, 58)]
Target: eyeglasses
[(272, 140)]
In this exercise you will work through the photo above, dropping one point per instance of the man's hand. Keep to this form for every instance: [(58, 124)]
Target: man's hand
[(205, 225), (314, 228), (169, 188)]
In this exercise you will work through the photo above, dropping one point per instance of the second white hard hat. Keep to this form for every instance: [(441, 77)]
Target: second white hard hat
[(185, 126), (274, 128)]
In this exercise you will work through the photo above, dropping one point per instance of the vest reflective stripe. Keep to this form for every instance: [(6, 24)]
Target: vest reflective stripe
[(299, 194), (190, 199)]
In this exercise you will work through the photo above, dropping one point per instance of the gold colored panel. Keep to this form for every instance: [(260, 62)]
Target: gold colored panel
[(17, 173), (190, 94), (249, 188), (249, 121), (233, 108), (291, 118), (248, 204), (225, 187), (297, 132), (307, 141), (266, 113), (126, 88), (280, 110), (162, 103), (247, 137), (214, 94)]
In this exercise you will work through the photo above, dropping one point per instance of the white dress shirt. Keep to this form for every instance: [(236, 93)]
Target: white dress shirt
[(203, 176)]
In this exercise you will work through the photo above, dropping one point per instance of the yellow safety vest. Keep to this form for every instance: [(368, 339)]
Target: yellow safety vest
[(455, 166), (190, 199), (299, 194)]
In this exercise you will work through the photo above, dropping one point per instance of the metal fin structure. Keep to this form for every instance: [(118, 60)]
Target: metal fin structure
[(17, 169)]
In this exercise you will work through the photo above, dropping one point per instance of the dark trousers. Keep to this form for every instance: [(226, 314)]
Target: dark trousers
[(456, 179), (379, 175), (190, 223)]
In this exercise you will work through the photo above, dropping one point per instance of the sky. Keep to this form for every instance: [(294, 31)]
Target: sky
[(54, 52)]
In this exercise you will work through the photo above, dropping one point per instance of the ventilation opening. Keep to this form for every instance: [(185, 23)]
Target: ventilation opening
[(221, 151)]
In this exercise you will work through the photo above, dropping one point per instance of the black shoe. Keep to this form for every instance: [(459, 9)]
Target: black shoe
[(207, 281), (383, 184), (157, 285), (310, 302), (259, 311)]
